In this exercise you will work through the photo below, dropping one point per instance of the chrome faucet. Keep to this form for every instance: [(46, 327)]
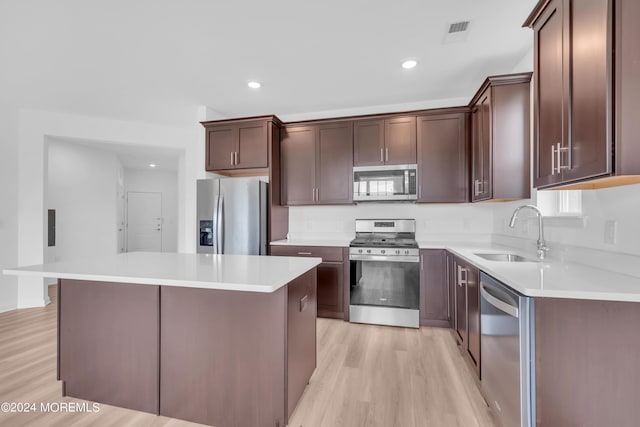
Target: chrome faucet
[(541, 244)]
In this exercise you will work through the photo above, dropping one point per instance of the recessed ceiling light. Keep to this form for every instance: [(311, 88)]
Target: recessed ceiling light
[(152, 165), (409, 64), (254, 85)]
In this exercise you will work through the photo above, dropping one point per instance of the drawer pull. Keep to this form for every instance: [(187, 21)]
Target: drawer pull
[(303, 303), (305, 253)]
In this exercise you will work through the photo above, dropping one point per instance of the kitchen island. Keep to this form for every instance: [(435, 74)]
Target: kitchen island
[(224, 340)]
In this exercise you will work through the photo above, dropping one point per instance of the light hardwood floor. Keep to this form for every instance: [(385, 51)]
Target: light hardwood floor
[(366, 376)]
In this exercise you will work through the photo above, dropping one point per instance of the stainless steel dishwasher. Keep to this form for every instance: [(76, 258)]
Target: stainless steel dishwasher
[(506, 346)]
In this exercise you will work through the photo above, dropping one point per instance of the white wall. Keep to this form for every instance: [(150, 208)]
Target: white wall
[(34, 127), (82, 188), (165, 182), (434, 222), (8, 205), (582, 239)]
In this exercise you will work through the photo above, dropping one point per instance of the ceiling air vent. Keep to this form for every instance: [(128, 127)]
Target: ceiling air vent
[(457, 32), (457, 27)]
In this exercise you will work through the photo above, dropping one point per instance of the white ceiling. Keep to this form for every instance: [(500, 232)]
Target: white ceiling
[(158, 60), (133, 156)]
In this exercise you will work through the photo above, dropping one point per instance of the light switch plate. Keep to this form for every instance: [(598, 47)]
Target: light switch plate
[(610, 229)]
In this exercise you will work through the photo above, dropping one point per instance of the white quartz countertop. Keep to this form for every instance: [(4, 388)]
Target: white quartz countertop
[(340, 243), (248, 273), (549, 278)]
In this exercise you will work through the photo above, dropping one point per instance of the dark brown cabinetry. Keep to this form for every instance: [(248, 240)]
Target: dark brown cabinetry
[(384, 142), (241, 144), (333, 273), (317, 164), (500, 138), (442, 158), (578, 78), (249, 146), (434, 288), (466, 279)]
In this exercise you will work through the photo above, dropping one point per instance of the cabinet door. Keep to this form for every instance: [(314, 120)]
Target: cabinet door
[(472, 277), (368, 143), (253, 146), (221, 143), (589, 151), (442, 159), (481, 148), (330, 289), (400, 141), (301, 336), (461, 303), (434, 290), (335, 164), (550, 90), (297, 150)]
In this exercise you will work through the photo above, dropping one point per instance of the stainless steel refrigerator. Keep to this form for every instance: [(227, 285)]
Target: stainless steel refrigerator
[(232, 216)]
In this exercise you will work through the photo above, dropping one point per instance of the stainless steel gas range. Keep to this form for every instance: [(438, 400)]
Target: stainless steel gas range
[(385, 273)]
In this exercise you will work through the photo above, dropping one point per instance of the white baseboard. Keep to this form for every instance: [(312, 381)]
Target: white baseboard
[(7, 308)]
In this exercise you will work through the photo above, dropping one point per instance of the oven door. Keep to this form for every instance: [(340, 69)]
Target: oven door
[(385, 292)]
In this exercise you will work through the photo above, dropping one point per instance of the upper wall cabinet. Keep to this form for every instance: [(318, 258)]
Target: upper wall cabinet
[(443, 158), (235, 146), (579, 134), (317, 163), (500, 116), (385, 141)]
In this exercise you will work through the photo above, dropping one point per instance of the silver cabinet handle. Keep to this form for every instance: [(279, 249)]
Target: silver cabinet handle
[(232, 163), (305, 253), (477, 187), (237, 158), (381, 155), (303, 303), (553, 160), (386, 154), (462, 281), (313, 194), (558, 156)]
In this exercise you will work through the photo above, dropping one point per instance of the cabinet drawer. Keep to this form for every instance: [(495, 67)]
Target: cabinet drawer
[(327, 253)]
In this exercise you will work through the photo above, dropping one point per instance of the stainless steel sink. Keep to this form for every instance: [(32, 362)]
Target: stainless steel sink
[(504, 257)]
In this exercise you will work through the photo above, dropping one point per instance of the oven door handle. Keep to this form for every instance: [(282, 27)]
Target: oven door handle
[(400, 258)]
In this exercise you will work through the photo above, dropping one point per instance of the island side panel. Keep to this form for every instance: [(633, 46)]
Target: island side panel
[(587, 358), (301, 335), (108, 343), (223, 356)]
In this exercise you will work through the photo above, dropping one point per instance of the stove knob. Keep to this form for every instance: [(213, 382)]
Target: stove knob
[(397, 251), (368, 251), (382, 251), (359, 251)]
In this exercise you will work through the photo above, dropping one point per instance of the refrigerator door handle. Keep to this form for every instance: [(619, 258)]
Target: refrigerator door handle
[(216, 224), (221, 224)]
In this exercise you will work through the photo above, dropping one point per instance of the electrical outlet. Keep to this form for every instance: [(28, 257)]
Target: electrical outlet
[(610, 229)]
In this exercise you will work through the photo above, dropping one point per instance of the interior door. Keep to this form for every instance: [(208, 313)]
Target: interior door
[(144, 221)]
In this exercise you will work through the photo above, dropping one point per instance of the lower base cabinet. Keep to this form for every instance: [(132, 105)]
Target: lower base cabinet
[(466, 280), (333, 273), (434, 289)]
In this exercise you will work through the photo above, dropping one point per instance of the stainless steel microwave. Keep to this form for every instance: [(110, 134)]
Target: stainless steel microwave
[(385, 183)]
